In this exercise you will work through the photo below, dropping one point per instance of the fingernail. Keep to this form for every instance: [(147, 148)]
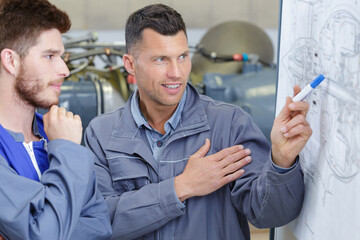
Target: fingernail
[(283, 129), (286, 135), (241, 147), (291, 105), (247, 151), (248, 159)]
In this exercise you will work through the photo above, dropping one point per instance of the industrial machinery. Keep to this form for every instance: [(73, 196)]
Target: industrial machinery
[(232, 63)]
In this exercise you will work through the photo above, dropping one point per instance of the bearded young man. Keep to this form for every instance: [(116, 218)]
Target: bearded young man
[(47, 185)]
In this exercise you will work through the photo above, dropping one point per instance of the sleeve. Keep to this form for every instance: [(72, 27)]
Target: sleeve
[(138, 212), (266, 197), (94, 221), (55, 207)]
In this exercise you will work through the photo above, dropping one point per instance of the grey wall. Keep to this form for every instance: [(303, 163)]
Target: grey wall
[(112, 14)]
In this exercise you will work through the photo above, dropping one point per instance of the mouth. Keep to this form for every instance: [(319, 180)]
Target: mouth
[(56, 86), (171, 86)]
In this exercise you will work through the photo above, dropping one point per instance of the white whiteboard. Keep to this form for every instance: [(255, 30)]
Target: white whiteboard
[(323, 37)]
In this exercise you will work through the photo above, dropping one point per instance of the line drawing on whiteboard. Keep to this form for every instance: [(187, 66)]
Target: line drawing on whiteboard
[(323, 37), (338, 56)]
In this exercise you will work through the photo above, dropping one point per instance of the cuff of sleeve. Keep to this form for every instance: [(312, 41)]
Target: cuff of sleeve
[(75, 156), (169, 201), (284, 170), (180, 204), (294, 172), (69, 145)]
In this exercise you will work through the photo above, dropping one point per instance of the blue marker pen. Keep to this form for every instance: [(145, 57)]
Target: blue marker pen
[(307, 90)]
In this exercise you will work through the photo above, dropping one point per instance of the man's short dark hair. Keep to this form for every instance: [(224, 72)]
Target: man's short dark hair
[(22, 22), (158, 17)]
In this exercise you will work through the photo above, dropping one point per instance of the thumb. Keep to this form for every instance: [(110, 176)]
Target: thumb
[(45, 122), (285, 111), (203, 150), (50, 114)]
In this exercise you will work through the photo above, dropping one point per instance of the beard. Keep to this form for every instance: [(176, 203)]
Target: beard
[(30, 89)]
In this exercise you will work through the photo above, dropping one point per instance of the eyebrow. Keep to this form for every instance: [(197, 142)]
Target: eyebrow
[(52, 51), (165, 56), (186, 52)]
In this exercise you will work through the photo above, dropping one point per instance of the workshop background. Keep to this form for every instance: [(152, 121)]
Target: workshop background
[(199, 15), (108, 18), (112, 14)]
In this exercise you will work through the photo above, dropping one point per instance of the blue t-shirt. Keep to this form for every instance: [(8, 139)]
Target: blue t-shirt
[(29, 163)]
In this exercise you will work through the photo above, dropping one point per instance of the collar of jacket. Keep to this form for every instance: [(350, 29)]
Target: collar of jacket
[(128, 138)]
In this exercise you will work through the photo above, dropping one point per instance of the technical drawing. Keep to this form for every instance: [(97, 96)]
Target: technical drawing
[(326, 41), (337, 54)]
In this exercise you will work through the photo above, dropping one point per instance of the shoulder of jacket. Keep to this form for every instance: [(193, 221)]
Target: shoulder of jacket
[(210, 102), (107, 118)]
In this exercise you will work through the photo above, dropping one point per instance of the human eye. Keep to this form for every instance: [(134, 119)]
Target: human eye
[(49, 56), (183, 56), (159, 59)]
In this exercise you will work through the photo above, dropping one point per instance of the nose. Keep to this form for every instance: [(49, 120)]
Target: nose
[(63, 69), (174, 70)]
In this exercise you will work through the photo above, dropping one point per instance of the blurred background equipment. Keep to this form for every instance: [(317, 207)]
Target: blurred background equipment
[(231, 63), (228, 38)]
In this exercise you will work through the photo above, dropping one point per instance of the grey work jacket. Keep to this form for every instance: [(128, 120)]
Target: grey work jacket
[(140, 191)]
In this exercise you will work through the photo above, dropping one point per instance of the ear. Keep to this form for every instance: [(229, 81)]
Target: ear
[(129, 63), (10, 60)]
